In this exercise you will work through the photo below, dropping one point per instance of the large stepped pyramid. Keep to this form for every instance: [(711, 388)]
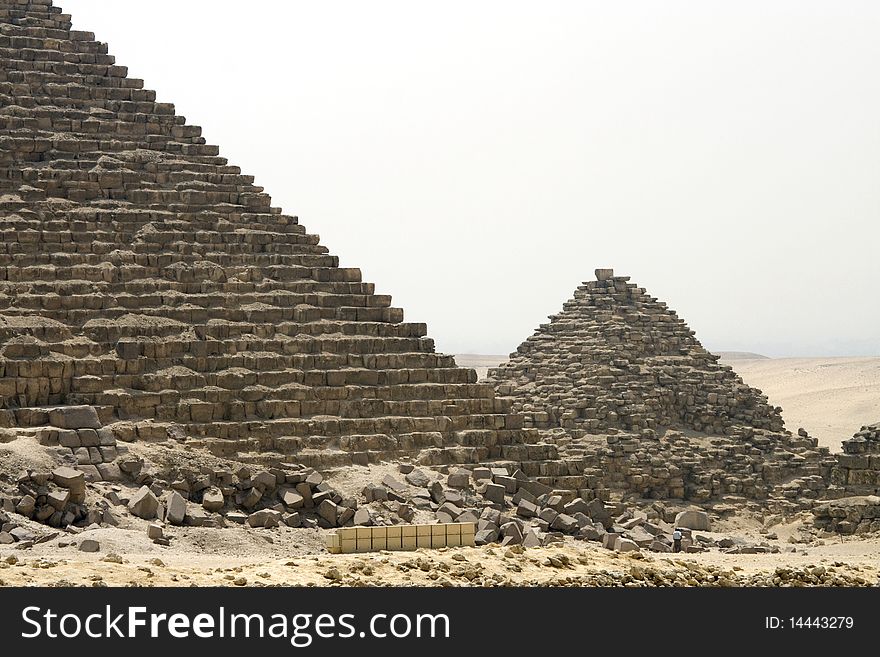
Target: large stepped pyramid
[(144, 275), (617, 358)]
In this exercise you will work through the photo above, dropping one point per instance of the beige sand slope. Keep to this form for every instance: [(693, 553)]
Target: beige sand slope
[(829, 397), (832, 398)]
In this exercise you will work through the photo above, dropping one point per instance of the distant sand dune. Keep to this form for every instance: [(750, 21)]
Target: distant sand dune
[(832, 398), (739, 355)]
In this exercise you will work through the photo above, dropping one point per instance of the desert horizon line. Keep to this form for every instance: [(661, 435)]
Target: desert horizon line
[(484, 354)]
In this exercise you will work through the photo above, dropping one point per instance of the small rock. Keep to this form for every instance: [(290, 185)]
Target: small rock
[(591, 533), (26, 506), (435, 489), (21, 534), (249, 498), (526, 509), (144, 504), (343, 515), (390, 482), (564, 523), (131, 466), (267, 518), (328, 511), (531, 539), (494, 493), (418, 478), (625, 545), (510, 484), (362, 517), (513, 531), (58, 499), (485, 536), (291, 499), (213, 500), (175, 509), (265, 481), (459, 478), (577, 506), (479, 474)]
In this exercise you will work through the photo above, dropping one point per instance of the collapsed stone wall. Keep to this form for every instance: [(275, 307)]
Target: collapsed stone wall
[(857, 471), (788, 472)]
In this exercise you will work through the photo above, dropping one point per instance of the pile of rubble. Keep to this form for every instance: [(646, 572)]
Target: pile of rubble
[(55, 498), (293, 495), (557, 568), (864, 441), (290, 494), (76, 435), (511, 509), (98, 482)]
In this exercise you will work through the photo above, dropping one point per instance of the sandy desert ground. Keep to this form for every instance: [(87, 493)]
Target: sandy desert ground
[(790, 552), (295, 557), (832, 398)]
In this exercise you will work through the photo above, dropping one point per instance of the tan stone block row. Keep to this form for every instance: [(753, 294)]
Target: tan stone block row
[(401, 537)]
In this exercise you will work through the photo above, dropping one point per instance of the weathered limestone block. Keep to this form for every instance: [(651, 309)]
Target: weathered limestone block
[(75, 417), (213, 500), (266, 518), (175, 508), (72, 480), (144, 504), (698, 520)]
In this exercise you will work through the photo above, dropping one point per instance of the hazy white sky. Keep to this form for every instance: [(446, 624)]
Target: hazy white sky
[(478, 160)]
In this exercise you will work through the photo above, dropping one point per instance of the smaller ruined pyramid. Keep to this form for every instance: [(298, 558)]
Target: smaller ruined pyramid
[(616, 358)]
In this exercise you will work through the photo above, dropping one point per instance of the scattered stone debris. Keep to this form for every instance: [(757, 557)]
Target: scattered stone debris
[(89, 545)]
